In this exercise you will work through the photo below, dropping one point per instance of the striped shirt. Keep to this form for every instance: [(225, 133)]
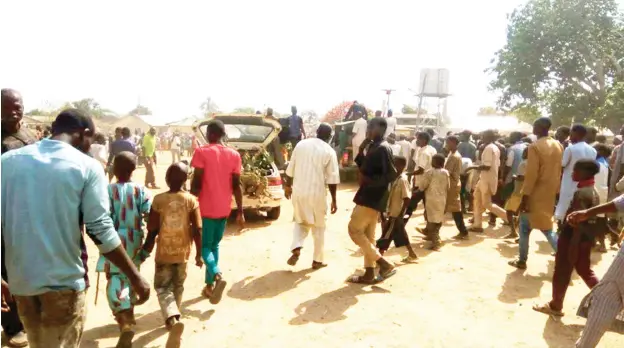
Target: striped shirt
[(313, 165)]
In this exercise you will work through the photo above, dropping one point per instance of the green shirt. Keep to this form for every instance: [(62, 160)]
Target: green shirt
[(149, 145)]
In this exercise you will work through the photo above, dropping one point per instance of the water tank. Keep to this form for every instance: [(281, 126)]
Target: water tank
[(434, 83)]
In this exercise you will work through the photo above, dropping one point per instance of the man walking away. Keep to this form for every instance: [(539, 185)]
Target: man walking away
[(14, 136), (176, 148), (376, 172), (358, 132), (215, 179), (295, 126), (47, 260), (149, 151), (392, 123), (121, 144), (466, 148), (312, 166)]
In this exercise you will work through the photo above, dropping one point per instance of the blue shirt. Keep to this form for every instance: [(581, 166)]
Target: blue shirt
[(295, 123), (48, 189), (121, 145)]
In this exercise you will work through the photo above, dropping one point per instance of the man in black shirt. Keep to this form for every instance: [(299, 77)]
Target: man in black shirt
[(14, 136), (376, 172), (353, 109)]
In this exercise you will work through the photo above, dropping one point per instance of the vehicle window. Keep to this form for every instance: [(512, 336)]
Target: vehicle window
[(244, 133)]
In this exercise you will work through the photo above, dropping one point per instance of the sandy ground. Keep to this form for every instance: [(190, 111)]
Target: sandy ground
[(463, 296)]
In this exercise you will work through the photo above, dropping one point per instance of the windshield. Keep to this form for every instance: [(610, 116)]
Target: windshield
[(244, 133)]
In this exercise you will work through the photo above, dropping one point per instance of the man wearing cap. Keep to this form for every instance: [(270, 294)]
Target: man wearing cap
[(47, 260), (14, 136), (149, 151)]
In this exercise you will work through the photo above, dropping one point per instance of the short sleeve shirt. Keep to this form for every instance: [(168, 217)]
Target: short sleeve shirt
[(398, 192), (175, 235), (219, 163)]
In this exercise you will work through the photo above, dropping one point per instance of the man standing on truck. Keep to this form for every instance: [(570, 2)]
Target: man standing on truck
[(312, 166)]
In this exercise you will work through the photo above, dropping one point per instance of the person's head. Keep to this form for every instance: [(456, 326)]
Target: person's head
[(376, 128), (293, 109), (38, 128), (601, 138), (515, 137), (527, 140), (592, 133), (451, 143), (324, 132), (422, 139), (126, 133), (602, 150), (46, 133), (176, 176), (541, 126), (215, 131), (152, 131), (402, 137), (391, 138), (74, 127), (12, 109), (585, 169), (465, 136), (124, 165), (118, 133), (258, 112), (578, 133), (269, 112), (378, 113), (358, 114), (562, 134), (389, 113), (525, 153), (99, 138), (488, 136), (437, 161), (400, 163), (431, 132)]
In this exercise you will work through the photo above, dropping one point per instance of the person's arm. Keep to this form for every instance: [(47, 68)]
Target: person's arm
[(153, 228), (302, 127), (619, 187), (530, 176), (197, 162), (99, 227), (290, 173), (332, 178), (237, 190), (388, 172), (510, 160), (196, 225), (567, 157), (583, 215), (349, 112)]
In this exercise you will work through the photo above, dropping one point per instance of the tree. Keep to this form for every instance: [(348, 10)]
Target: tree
[(38, 112), (88, 106), (208, 107), (140, 110), (244, 110), (337, 112), (564, 58), (408, 109), (488, 111)]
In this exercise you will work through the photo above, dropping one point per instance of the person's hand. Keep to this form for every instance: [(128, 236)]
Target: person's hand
[(500, 182), (577, 217), (240, 219), (524, 205), (141, 289), (198, 261), (6, 297), (334, 207), (364, 144), (287, 192)]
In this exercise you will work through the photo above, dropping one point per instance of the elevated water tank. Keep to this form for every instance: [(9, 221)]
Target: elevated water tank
[(434, 83)]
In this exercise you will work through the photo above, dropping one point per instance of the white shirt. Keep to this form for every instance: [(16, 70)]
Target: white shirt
[(100, 153), (175, 143), (572, 154), (313, 165), (405, 148), (422, 158), (392, 122), (466, 163), (359, 132), (396, 149)]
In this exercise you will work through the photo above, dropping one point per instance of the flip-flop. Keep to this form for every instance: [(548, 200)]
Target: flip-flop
[(359, 280), (408, 259), (387, 274), (545, 308), (175, 335), (217, 292)]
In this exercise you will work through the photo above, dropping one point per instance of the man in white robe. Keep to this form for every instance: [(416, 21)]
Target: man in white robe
[(313, 165), (577, 150), (359, 132)]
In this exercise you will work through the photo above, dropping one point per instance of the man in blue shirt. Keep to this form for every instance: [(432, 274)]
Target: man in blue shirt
[(125, 143), (47, 259), (296, 132)]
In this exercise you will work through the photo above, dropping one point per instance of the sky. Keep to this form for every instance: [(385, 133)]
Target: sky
[(170, 56)]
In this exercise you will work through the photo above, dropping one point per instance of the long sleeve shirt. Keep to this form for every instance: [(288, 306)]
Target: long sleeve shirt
[(49, 190)]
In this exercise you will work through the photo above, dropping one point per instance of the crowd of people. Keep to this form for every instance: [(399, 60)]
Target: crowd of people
[(517, 178)]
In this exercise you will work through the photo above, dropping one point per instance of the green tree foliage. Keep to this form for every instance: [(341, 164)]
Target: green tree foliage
[(87, 105), (488, 111), (140, 110), (565, 58), (408, 109), (209, 107)]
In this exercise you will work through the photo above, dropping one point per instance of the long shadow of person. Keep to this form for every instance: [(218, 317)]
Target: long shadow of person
[(331, 306), (152, 323), (519, 285), (557, 334), (269, 285)]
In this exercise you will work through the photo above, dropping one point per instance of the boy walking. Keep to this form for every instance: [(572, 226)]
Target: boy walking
[(216, 177), (176, 220), (130, 204), (398, 200), (435, 184), (576, 241)]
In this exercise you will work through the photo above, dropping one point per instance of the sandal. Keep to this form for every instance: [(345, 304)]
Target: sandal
[(206, 292), (387, 273), (546, 309), (217, 292), (318, 265), (518, 264), (409, 259), (360, 280)]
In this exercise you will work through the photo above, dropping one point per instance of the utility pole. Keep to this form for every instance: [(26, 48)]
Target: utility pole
[(388, 92)]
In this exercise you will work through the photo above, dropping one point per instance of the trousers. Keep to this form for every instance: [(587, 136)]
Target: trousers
[(212, 233), (394, 231), (300, 233), (169, 285), (362, 232), (11, 323), (150, 177), (482, 201), (54, 319), (525, 231), (417, 197)]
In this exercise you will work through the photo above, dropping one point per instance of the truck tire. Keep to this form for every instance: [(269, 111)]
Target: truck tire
[(274, 213)]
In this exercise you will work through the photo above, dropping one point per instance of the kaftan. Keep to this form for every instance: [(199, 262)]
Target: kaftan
[(435, 183)]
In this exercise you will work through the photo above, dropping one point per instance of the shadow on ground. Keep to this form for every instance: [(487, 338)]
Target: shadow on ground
[(268, 285), (331, 306), (519, 285)]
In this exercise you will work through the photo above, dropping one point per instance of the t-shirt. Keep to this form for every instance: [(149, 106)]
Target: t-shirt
[(175, 143), (149, 144), (219, 163), (422, 158), (295, 124), (396, 149), (398, 192), (405, 148), (175, 235)]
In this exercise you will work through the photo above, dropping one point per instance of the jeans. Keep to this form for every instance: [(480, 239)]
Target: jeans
[(212, 233), (525, 231)]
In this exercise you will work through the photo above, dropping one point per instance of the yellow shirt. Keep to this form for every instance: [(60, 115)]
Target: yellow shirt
[(175, 236)]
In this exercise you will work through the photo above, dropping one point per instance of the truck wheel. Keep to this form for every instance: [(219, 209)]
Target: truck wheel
[(274, 213)]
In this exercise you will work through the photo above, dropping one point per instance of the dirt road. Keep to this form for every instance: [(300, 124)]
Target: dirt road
[(463, 296)]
